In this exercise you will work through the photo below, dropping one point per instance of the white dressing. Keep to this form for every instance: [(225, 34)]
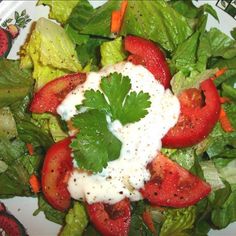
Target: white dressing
[(141, 140)]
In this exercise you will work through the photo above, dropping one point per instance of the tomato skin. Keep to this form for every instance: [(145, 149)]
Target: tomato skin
[(173, 186), (147, 53), (52, 94), (195, 123), (111, 220), (56, 167)]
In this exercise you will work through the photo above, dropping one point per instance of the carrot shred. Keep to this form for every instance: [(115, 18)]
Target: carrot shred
[(34, 183), (123, 7), (147, 218), (224, 100), (117, 17), (116, 21), (30, 148), (219, 73), (225, 122)]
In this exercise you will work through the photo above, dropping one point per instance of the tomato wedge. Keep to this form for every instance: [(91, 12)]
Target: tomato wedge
[(197, 121), (173, 186), (111, 220), (56, 168), (148, 54), (52, 94)]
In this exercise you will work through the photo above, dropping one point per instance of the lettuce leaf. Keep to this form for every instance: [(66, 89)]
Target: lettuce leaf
[(50, 51), (59, 10), (112, 52), (76, 221), (166, 26), (50, 213), (15, 83), (178, 221)]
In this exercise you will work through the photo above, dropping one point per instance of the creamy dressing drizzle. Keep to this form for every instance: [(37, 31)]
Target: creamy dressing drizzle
[(141, 141)]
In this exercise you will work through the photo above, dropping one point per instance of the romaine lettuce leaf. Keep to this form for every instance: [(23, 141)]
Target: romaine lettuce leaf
[(178, 221), (51, 52), (157, 21), (59, 10), (50, 213), (7, 124), (15, 83), (14, 180), (112, 52), (76, 221)]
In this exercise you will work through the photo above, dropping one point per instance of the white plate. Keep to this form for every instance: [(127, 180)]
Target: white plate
[(23, 207)]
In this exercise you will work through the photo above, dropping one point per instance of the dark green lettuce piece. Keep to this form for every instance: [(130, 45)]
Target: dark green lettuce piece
[(15, 83), (50, 213), (156, 20), (14, 180)]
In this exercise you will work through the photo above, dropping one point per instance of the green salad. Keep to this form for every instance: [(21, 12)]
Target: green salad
[(82, 41)]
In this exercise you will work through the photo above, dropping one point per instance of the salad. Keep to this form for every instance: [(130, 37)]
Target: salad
[(120, 119)]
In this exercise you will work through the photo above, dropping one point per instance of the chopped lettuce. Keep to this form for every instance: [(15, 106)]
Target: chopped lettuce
[(51, 52), (76, 221), (15, 83), (112, 52), (180, 82), (157, 21), (59, 10), (7, 123), (50, 213), (51, 125), (178, 221)]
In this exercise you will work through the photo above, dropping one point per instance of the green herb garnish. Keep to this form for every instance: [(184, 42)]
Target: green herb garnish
[(95, 144)]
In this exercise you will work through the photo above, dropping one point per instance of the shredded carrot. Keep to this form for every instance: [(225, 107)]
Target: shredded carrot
[(224, 100), (225, 122), (34, 183), (219, 73), (147, 218), (123, 7), (117, 17), (116, 21), (30, 148)]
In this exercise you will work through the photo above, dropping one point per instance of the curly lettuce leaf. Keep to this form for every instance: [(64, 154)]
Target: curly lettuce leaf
[(59, 10), (76, 221), (50, 51)]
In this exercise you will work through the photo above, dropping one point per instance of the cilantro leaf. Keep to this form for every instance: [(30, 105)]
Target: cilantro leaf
[(133, 108), (94, 145), (118, 102), (96, 100), (116, 87)]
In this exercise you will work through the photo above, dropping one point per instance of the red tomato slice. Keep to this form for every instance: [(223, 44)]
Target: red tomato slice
[(111, 220), (51, 95), (56, 168), (147, 53), (197, 121), (173, 186)]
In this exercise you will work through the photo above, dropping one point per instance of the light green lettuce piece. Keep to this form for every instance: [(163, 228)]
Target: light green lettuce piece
[(59, 10), (112, 52), (229, 172), (50, 124), (211, 175), (177, 221), (50, 52), (76, 221), (180, 82)]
